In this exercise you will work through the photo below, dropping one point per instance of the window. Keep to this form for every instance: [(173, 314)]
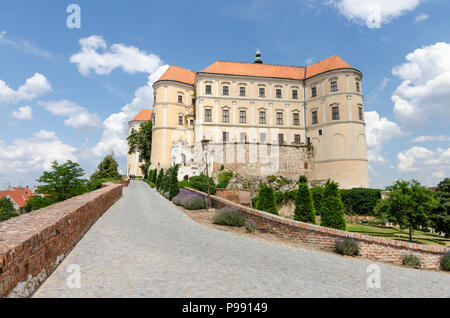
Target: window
[(191, 122), (208, 115), (193, 101), (141, 158), (278, 92), (262, 92), (154, 119), (308, 140), (243, 137), (262, 137), (314, 92), (334, 86), (294, 94), (242, 116), (280, 139), (180, 98), (208, 90), (361, 113), (180, 119), (279, 118), (225, 136), (296, 119), (226, 90), (242, 91), (320, 132), (335, 112), (262, 118), (314, 117), (225, 116), (358, 87), (297, 139)]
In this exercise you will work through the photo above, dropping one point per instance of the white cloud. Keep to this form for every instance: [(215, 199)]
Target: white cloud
[(383, 83), (35, 86), (421, 17), (2, 34), (33, 154), (309, 61), (424, 93), (379, 130), (23, 113), (24, 46), (78, 117), (97, 56), (440, 138), (374, 13)]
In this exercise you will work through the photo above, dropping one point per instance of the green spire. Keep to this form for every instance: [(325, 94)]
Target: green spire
[(258, 58)]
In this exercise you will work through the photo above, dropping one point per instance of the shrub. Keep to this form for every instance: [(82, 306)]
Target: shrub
[(199, 183), (316, 193), (304, 207), (445, 262), (250, 227), (346, 247), (224, 179), (302, 179), (195, 203), (271, 179), (290, 195), (279, 197), (159, 179), (360, 201), (7, 210), (229, 216), (37, 202), (412, 260), (222, 167), (266, 200), (331, 208), (173, 187)]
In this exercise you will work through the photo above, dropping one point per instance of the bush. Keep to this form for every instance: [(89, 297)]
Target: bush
[(229, 216), (316, 193), (360, 201), (266, 200), (37, 202), (224, 179), (174, 189), (199, 183), (159, 179), (445, 262), (250, 227), (346, 247), (279, 197), (290, 195), (7, 210), (304, 206), (412, 260), (195, 203), (331, 208)]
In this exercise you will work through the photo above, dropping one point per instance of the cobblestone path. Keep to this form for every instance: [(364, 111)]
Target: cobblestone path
[(145, 247)]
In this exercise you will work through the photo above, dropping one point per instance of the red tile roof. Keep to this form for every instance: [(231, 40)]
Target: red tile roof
[(18, 195), (178, 74), (332, 63), (144, 115)]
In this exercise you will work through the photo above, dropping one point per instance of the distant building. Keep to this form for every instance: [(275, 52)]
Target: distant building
[(136, 159), (18, 195)]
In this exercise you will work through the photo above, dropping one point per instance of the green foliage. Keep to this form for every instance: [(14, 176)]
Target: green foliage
[(199, 183), (222, 167), (159, 179), (224, 179), (7, 210), (408, 205), (290, 195), (154, 176), (279, 197), (37, 202), (346, 247), (445, 262), (440, 215), (331, 208), (140, 140), (174, 189), (266, 200), (229, 216), (195, 203), (411, 260), (271, 179), (107, 169), (304, 206), (302, 179), (63, 181), (250, 227), (317, 197), (360, 201), (165, 182), (145, 169)]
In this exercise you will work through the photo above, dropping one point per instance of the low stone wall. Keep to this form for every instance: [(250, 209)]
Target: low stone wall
[(33, 244), (371, 247)]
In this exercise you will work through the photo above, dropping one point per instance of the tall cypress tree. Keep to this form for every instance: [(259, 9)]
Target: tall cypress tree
[(266, 200), (331, 208), (174, 189), (304, 207), (160, 178)]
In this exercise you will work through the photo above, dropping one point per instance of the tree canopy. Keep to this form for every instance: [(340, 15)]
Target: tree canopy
[(440, 216), (107, 169), (7, 210), (331, 208)]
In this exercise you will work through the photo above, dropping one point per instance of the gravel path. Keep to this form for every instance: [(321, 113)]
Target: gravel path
[(145, 247)]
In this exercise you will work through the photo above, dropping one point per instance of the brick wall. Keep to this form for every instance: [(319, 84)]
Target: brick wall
[(32, 245), (375, 248), (237, 196)]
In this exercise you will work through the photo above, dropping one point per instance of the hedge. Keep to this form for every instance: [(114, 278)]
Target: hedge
[(360, 201)]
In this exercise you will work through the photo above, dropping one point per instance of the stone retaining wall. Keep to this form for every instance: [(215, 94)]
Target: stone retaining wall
[(371, 247), (33, 244)]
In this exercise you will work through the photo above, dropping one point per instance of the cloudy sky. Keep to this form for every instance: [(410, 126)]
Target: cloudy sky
[(68, 93)]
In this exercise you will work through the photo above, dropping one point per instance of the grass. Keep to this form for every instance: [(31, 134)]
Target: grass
[(419, 237)]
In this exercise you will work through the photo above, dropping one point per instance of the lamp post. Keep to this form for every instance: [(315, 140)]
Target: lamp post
[(204, 146)]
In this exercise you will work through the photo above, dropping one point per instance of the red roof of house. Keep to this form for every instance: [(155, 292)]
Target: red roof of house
[(178, 74), (18, 195), (144, 115)]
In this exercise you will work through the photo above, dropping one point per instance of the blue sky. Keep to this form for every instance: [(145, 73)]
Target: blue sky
[(67, 93)]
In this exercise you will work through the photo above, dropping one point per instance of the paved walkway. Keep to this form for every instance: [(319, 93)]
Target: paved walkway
[(145, 247)]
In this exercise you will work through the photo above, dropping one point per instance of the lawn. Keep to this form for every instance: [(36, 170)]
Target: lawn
[(401, 235)]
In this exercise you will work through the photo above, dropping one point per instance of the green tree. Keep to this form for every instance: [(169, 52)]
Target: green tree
[(266, 199), (107, 169), (304, 206), (440, 215), (7, 210), (159, 179), (63, 181), (37, 202), (140, 140), (174, 189), (331, 208), (408, 205)]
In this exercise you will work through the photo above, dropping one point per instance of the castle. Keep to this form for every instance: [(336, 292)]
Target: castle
[(260, 119)]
